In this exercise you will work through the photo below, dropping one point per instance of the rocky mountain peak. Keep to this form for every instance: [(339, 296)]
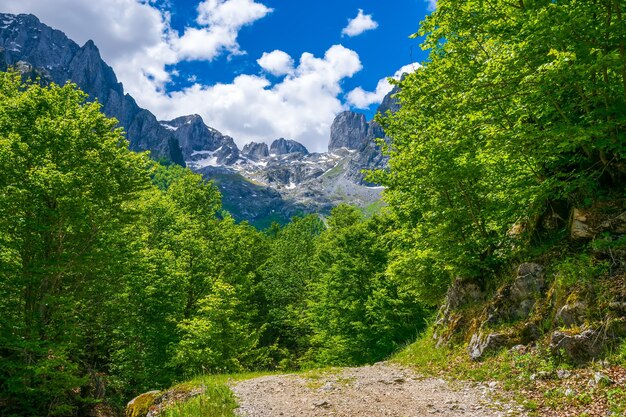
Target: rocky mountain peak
[(349, 130), (200, 144), (284, 146), (255, 151)]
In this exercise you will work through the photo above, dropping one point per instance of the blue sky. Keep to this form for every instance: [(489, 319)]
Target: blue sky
[(253, 69)]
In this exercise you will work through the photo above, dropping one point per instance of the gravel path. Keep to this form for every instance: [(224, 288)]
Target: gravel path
[(378, 390)]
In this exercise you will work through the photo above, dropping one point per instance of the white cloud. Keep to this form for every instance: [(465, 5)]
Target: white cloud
[(361, 23), (432, 4), (362, 99), (302, 106), (276, 63), (136, 38), (221, 21)]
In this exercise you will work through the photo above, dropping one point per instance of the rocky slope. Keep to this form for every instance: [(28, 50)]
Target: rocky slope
[(259, 183)]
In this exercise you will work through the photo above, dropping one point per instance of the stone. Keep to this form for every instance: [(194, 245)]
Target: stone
[(141, 404), (602, 380), (460, 293), (563, 373), (517, 300), (603, 217), (578, 348), (572, 314), (519, 349), (529, 333), (580, 228), (480, 345), (321, 403)]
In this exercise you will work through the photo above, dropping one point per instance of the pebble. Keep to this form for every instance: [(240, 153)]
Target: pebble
[(563, 374)]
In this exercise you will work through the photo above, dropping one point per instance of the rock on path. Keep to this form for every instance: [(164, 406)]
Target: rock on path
[(378, 390)]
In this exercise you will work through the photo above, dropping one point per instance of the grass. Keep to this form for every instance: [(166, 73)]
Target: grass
[(217, 400)]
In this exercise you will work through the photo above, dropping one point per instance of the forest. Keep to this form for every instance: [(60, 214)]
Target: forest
[(121, 274)]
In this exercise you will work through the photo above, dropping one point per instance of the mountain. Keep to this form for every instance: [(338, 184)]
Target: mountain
[(35, 48), (258, 183)]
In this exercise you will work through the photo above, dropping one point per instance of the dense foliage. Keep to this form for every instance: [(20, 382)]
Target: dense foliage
[(120, 275), (520, 107)]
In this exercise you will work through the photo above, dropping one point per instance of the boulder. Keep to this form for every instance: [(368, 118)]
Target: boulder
[(606, 217), (580, 228), (141, 405), (572, 314), (481, 344), (578, 348)]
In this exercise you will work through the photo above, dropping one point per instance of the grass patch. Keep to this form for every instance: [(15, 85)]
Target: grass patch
[(217, 400)]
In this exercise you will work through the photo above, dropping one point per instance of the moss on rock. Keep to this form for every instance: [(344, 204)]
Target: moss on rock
[(140, 405)]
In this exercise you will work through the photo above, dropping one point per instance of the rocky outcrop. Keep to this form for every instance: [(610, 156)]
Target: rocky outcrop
[(349, 130), (25, 40), (517, 300), (390, 103), (286, 146), (512, 302), (578, 348), (481, 344), (461, 293), (353, 132), (193, 135), (255, 151), (141, 405), (588, 223), (572, 314), (154, 403)]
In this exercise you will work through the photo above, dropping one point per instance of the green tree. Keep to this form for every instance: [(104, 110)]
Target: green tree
[(65, 176), (358, 314), (286, 281), (520, 104)]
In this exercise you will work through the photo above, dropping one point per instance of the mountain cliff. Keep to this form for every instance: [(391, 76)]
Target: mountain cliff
[(27, 43)]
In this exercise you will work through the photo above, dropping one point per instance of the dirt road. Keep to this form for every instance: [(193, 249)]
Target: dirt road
[(378, 390)]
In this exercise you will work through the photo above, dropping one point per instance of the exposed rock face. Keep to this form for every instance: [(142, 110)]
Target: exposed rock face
[(587, 224), (349, 130), (481, 344), (517, 300), (573, 314), (193, 135), (460, 293), (140, 405), (578, 348), (25, 39), (390, 102), (286, 178), (286, 146), (255, 151)]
